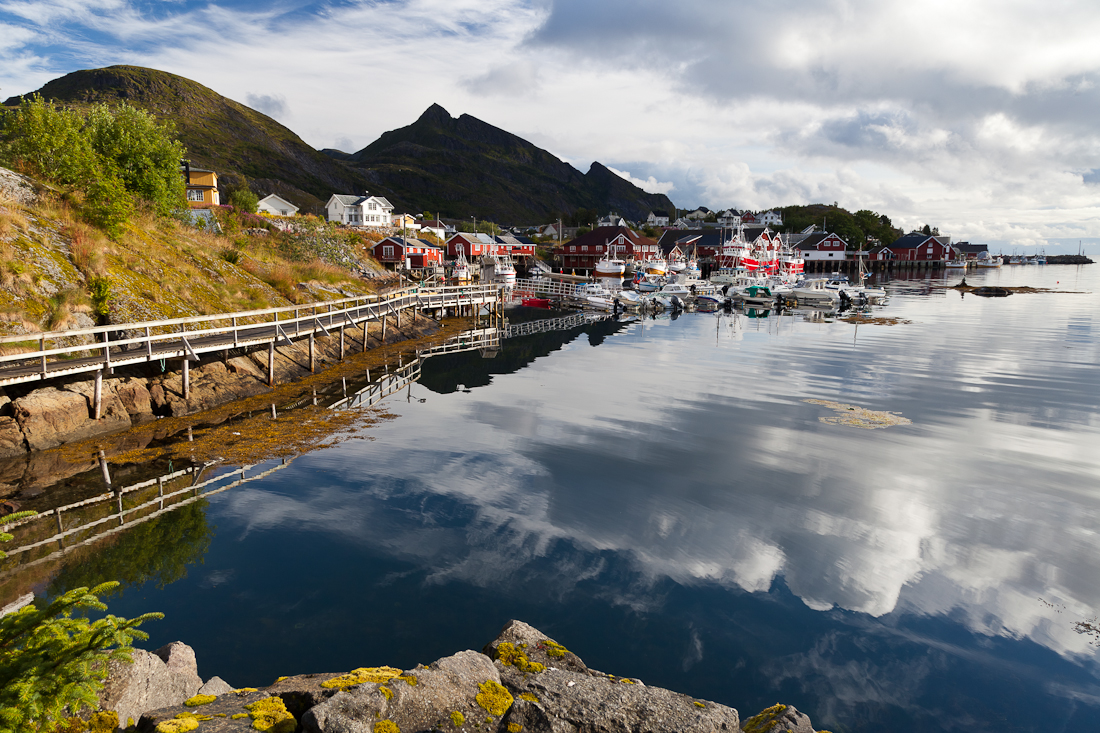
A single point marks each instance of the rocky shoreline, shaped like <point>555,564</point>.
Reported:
<point>520,681</point>
<point>35,420</point>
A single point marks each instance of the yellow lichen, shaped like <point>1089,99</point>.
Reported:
<point>554,649</point>
<point>698,704</point>
<point>200,718</point>
<point>514,728</point>
<point>509,655</point>
<point>457,718</point>
<point>494,698</point>
<point>180,725</point>
<point>270,714</point>
<point>219,715</point>
<point>281,679</point>
<point>625,681</point>
<point>243,690</point>
<point>238,716</point>
<point>529,697</point>
<point>361,675</point>
<point>195,701</point>
<point>386,726</point>
<point>410,679</point>
<point>387,692</point>
<point>763,720</point>
<point>104,722</point>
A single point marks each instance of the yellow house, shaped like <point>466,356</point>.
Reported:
<point>202,186</point>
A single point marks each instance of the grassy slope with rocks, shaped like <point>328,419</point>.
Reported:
<point>236,141</point>
<point>162,268</point>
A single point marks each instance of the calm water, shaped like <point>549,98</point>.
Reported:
<point>659,497</point>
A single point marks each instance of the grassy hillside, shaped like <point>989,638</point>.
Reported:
<point>236,141</point>
<point>464,167</point>
<point>161,268</point>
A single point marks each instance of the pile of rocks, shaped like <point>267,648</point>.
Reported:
<point>521,681</point>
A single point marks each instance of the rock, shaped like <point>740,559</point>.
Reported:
<point>227,712</point>
<point>135,399</point>
<point>215,686</point>
<point>180,659</point>
<point>461,689</point>
<point>50,417</point>
<point>525,644</point>
<point>149,682</point>
<point>112,413</point>
<point>779,719</point>
<point>556,700</point>
<point>5,403</point>
<point>12,442</point>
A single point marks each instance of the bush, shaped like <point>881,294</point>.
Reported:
<point>244,200</point>
<point>100,288</point>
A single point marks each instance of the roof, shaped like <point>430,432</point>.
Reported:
<point>812,240</point>
<point>408,242</point>
<point>272,197</point>
<point>969,248</point>
<point>915,239</point>
<point>347,199</point>
<point>658,212</point>
<point>602,235</point>
<point>689,238</point>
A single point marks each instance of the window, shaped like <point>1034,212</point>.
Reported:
<point>387,250</point>
<point>584,248</point>
<point>194,195</point>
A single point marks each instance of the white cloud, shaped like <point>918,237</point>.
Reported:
<point>650,185</point>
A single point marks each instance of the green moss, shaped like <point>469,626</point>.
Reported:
<point>361,675</point>
<point>386,726</point>
<point>553,648</point>
<point>493,697</point>
<point>529,697</point>
<point>698,704</point>
<point>457,719</point>
<point>270,714</point>
<point>194,702</point>
<point>762,721</point>
<point>181,725</point>
<point>509,656</point>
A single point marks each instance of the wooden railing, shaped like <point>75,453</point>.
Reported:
<point>104,348</point>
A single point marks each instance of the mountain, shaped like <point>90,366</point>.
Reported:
<point>454,167</point>
<point>465,167</point>
<point>236,141</point>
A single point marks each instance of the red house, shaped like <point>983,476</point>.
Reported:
<point>472,245</point>
<point>588,249</point>
<point>915,247</point>
<point>399,252</point>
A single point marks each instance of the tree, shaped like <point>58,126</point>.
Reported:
<point>47,142</point>
<point>243,199</point>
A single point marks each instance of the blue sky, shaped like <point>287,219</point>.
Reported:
<point>976,117</point>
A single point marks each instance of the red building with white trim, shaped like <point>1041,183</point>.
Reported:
<point>588,249</point>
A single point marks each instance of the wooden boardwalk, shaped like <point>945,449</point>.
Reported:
<point>105,348</point>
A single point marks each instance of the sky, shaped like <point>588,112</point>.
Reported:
<point>977,117</point>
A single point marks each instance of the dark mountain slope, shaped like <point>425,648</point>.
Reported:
<point>465,167</point>
<point>220,134</point>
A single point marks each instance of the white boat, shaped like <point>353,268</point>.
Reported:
<point>648,283</point>
<point>757,295</point>
<point>460,273</point>
<point>984,260</point>
<point>655,266</point>
<point>955,264</point>
<point>678,289</point>
<point>813,292</point>
<point>498,269</point>
<point>610,267</point>
<point>594,295</point>
<point>716,299</point>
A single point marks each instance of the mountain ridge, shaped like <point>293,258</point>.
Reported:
<point>454,167</point>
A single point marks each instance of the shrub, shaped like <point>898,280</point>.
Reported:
<point>244,200</point>
<point>231,255</point>
<point>100,288</point>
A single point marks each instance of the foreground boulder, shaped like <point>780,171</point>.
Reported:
<point>523,681</point>
<point>153,680</point>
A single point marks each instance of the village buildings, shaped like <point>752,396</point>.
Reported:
<point>201,185</point>
<point>588,249</point>
<point>276,206</point>
<point>359,211</point>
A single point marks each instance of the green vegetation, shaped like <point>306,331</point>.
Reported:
<point>53,664</point>
<point>860,230</point>
<point>242,199</point>
<point>116,158</point>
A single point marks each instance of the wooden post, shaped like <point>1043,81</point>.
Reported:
<point>274,415</point>
<point>98,394</point>
<point>160,490</point>
<point>311,352</point>
<point>383,329</point>
<point>103,468</point>
<point>271,364</point>
<point>341,342</point>
<point>186,378</point>
<point>365,324</point>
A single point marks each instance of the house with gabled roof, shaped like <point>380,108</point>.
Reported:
<point>396,252</point>
<point>359,211</point>
<point>588,249</point>
<point>657,219</point>
<point>729,218</point>
<point>611,220</point>
<point>914,247</point>
<point>823,246</point>
<point>276,205</point>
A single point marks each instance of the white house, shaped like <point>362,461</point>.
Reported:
<point>699,214</point>
<point>657,219</point>
<point>729,218</point>
<point>771,219</point>
<point>611,220</point>
<point>823,246</point>
<point>276,205</point>
<point>359,211</point>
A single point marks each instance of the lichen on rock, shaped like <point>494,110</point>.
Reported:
<point>270,714</point>
<point>494,697</point>
<point>196,700</point>
<point>362,675</point>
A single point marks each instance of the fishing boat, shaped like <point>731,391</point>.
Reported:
<point>648,283</point>
<point>654,266</point>
<point>813,292</point>
<point>610,266</point>
<point>460,273</point>
<point>955,264</point>
<point>498,268</point>
<point>757,295</point>
<point>984,260</point>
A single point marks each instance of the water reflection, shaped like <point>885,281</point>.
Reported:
<point>669,505</point>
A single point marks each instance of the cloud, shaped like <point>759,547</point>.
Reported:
<point>649,185</point>
<point>272,105</point>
